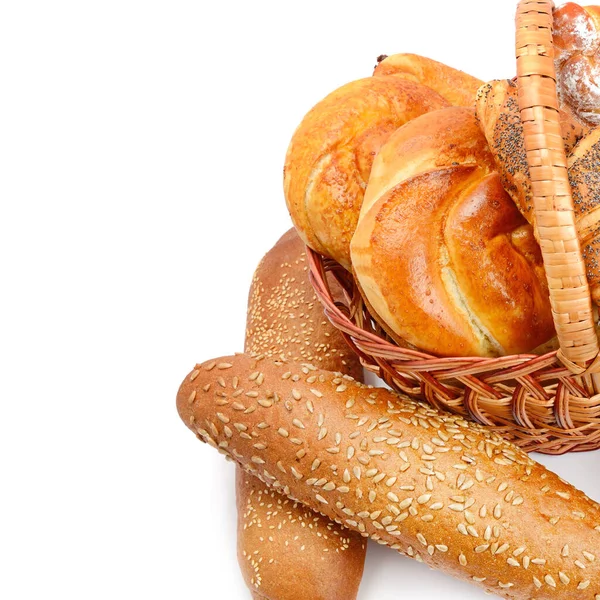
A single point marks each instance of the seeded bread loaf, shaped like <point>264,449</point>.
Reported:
<point>287,551</point>
<point>499,117</point>
<point>431,485</point>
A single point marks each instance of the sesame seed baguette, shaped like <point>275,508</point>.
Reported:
<point>286,551</point>
<point>431,485</point>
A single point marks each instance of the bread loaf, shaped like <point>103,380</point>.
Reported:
<point>433,486</point>
<point>457,87</point>
<point>500,120</point>
<point>497,110</point>
<point>286,551</point>
<point>577,58</point>
<point>329,158</point>
<point>441,253</point>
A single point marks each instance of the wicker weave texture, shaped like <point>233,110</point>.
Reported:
<point>547,403</point>
<point>533,400</point>
<point>553,203</point>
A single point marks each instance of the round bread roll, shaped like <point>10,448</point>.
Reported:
<point>457,87</point>
<point>577,57</point>
<point>441,253</point>
<point>431,485</point>
<point>329,158</point>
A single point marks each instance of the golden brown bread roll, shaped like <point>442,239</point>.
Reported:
<point>499,117</point>
<point>285,550</point>
<point>431,485</point>
<point>457,87</point>
<point>329,158</point>
<point>577,58</point>
<point>441,253</point>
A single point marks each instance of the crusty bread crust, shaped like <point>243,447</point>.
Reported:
<point>433,486</point>
<point>441,252</point>
<point>329,158</point>
<point>286,551</point>
<point>458,87</point>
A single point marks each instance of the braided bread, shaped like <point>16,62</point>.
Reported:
<point>441,254</point>
<point>329,158</point>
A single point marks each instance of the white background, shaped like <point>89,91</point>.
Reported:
<point>142,146</point>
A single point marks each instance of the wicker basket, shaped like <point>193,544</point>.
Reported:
<point>546,403</point>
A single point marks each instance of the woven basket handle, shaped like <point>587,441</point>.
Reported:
<point>553,203</point>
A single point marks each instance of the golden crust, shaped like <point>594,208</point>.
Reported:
<point>442,254</point>
<point>285,550</point>
<point>499,118</point>
<point>458,87</point>
<point>431,485</point>
<point>329,158</point>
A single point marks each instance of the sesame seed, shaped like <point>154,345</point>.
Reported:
<point>563,578</point>
<point>583,585</point>
<point>502,549</point>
